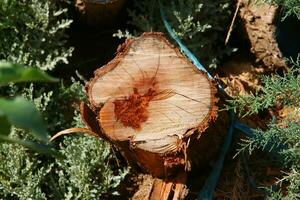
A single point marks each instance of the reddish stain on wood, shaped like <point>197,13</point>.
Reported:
<point>132,111</point>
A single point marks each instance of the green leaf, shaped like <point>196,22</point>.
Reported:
<point>10,72</point>
<point>4,125</point>
<point>40,148</point>
<point>23,113</point>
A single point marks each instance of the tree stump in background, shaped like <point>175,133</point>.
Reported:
<point>98,13</point>
<point>152,103</point>
<point>260,26</point>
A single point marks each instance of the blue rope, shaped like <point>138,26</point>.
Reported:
<point>211,182</point>
<point>183,48</point>
<point>244,128</point>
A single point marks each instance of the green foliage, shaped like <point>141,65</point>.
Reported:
<point>85,170</point>
<point>276,90</point>
<point>20,112</point>
<point>32,33</point>
<point>282,139</point>
<point>283,142</point>
<point>5,125</point>
<point>59,112</point>
<point>291,7</point>
<point>10,72</point>
<point>201,24</point>
<point>24,114</point>
<point>21,173</point>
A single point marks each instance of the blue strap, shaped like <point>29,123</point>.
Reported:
<point>211,182</point>
<point>244,128</point>
<point>183,48</point>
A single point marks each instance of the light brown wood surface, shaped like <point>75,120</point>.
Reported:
<point>158,110</point>
<point>182,99</point>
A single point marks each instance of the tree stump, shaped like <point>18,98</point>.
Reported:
<point>154,105</point>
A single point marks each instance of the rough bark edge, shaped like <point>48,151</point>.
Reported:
<point>261,29</point>
<point>89,118</point>
<point>122,52</point>
<point>132,154</point>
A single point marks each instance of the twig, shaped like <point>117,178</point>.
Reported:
<point>232,22</point>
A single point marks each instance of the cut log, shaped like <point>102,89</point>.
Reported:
<point>157,108</point>
<point>149,101</point>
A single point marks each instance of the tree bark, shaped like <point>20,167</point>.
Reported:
<point>154,105</point>
<point>149,101</point>
<point>260,27</point>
